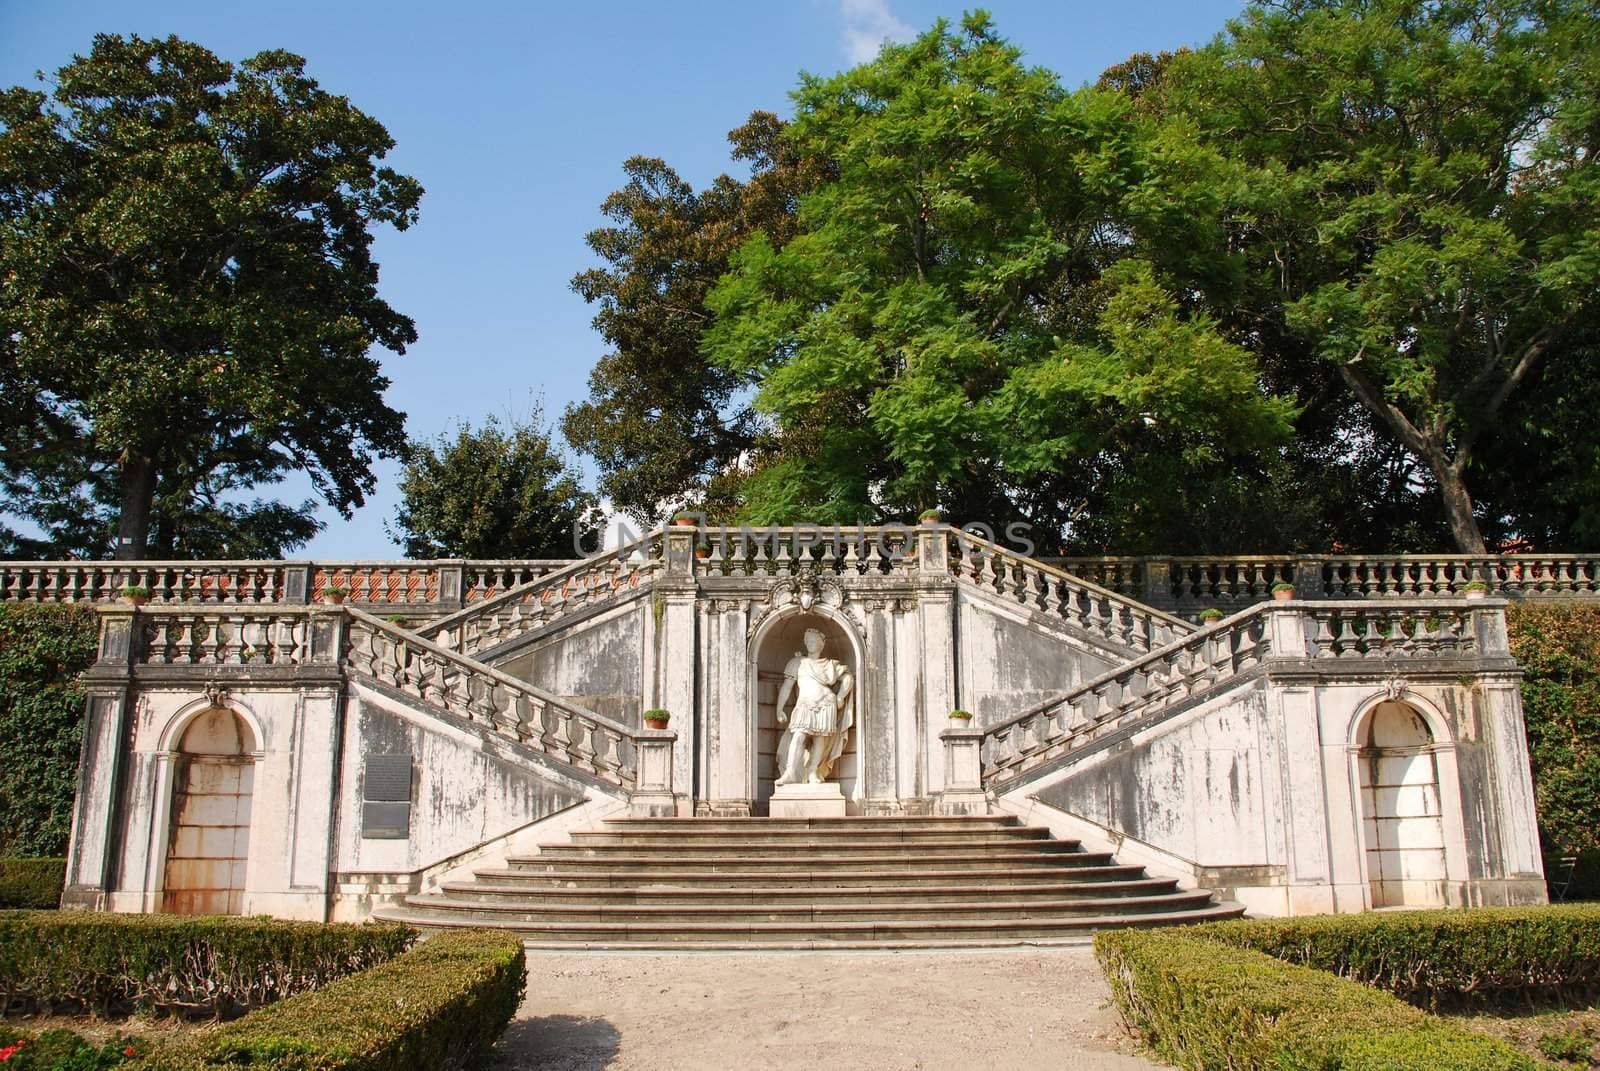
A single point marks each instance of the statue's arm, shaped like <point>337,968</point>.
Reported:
<point>846,682</point>
<point>783,697</point>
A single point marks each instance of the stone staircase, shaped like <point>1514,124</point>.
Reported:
<point>764,883</point>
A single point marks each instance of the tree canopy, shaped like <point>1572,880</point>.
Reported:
<point>189,294</point>
<point>499,491</point>
<point>1417,205</point>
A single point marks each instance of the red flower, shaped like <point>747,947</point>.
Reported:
<point>129,1051</point>
<point>9,1051</point>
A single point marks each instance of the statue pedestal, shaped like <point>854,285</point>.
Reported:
<point>808,801</point>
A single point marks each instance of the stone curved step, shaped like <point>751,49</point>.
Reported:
<point>662,840</point>
<point>644,877</point>
<point>931,821</point>
<point>742,934</point>
<point>820,846</point>
<point>953,858</point>
<point>822,894</point>
<point>886,911</point>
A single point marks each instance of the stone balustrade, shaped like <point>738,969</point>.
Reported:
<point>1081,604</point>
<point>548,598</point>
<point>1193,583</point>
<point>782,551</point>
<point>434,676</point>
<point>424,586</point>
<point>1357,634</point>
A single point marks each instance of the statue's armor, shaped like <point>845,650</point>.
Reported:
<point>816,707</point>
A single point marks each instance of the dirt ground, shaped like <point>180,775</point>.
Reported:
<point>888,1012</point>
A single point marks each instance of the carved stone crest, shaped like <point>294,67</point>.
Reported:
<point>807,589</point>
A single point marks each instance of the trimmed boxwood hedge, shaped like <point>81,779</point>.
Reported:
<point>31,882</point>
<point>1203,1004</point>
<point>441,1005</point>
<point>109,963</point>
<point>1450,959</point>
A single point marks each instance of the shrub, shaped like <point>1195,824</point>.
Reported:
<point>441,1005</point>
<point>105,962</point>
<point>32,882</point>
<point>1558,647</point>
<point>43,648</point>
<point>62,1050</point>
<point>1441,958</point>
<point>1203,1004</point>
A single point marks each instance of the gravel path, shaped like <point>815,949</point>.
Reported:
<point>888,1012</point>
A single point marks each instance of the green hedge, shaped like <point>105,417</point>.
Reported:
<point>441,1005</point>
<point>168,963</point>
<point>32,882</point>
<point>1441,958</point>
<point>1202,1005</point>
<point>43,649</point>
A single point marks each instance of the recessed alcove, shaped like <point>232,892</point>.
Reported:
<point>779,642</point>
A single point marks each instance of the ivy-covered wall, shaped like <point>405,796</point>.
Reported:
<point>1558,646</point>
<point>43,648</point>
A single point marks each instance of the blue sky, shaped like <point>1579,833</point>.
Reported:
<point>516,118</point>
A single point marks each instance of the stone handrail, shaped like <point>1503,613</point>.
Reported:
<point>544,600</point>
<point>277,636</point>
<point>1083,605</point>
<point>1192,583</point>
<point>446,680</point>
<point>1115,699</point>
<point>781,550</point>
<point>1203,661</point>
<point>427,585</point>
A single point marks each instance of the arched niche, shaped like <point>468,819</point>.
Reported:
<point>213,787</point>
<point>778,639</point>
<point>1402,812</point>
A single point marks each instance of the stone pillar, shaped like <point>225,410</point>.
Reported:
<point>652,795</point>
<point>1286,631</point>
<point>96,833</point>
<point>1307,579</point>
<point>452,590</point>
<point>963,768</point>
<point>940,672</point>
<point>677,647</point>
<point>297,584</point>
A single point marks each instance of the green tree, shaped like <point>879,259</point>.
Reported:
<point>960,319</point>
<point>1418,208</point>
<point>662,422</point>
<point>493,492</point>
<point>185,249</point>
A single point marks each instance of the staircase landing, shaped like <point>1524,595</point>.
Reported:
<point>751,884</point>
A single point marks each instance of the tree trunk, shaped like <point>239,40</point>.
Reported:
<point>1458,510</point>
<point>138,492</point>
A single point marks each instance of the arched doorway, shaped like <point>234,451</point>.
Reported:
<point>778,644</point>
<point>209,844</point>
<point>1401,815</point>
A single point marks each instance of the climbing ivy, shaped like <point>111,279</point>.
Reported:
<point>43,649</point>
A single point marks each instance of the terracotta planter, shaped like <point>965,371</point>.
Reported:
<point>336,600</point>
<point>1283,594</point>
<point>683,522</point>
<point>1475,594</point>
<point>655,723</point>
<point>137,600</point>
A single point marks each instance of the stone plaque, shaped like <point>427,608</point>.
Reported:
<point>386,798</point>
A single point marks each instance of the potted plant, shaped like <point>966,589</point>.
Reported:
<point>1476,590</point>
<point>136,594</point>
<point>929,516</point>
<point>335,594</point>
<point>685,520</point>
<point>962,718</point>
<point>1283,591</point>
<point>1211,615</point>
<point>657,718</point>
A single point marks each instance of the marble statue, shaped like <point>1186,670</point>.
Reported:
<point>822,715</point>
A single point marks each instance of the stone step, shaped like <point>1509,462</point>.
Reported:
<point>797,847</point>
<point>953,857</point>
<point>655,877</point>
<point>853,822</point>
<point>808,837</point>
<point>887,910</point>
<point>738,935</point>
<point>821,895</point>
